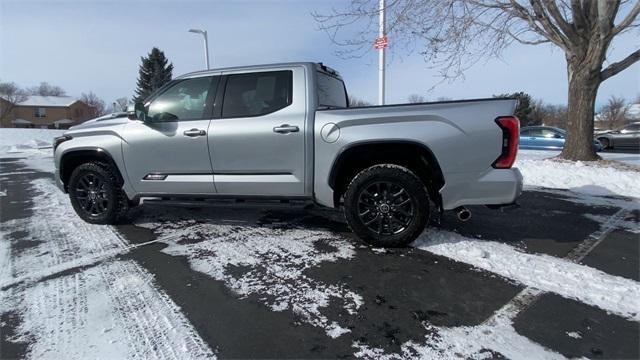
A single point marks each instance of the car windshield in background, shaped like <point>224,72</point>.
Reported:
<point>331,91</point>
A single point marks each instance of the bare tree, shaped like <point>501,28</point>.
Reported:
<point>46,89</point>
<point>455,34</point>
<point>537,114</point>
<point>11,95</point>
<point>96,104</point>
<point>554,115</point>
<point>357,102</point>
<point>121,104</point>
<point>415,98</point>
<point>614,113</point>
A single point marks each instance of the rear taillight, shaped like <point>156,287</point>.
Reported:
<point>510,126</point>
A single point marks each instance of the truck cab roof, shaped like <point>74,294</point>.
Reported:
<point>318,66</point>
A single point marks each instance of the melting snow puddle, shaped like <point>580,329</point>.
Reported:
<point>267,262</point>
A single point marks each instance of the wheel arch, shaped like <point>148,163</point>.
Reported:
<point>70,160</point>
<point>361,155</point>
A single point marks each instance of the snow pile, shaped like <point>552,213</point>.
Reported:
<point>570,280</point>
<point>581,177</point>
<point>265,261</point>
<point>25,140</point>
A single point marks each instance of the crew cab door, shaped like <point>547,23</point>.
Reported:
<point>257,140</point>
<point>168,152</point>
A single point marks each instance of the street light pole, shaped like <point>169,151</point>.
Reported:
<point>381,56</point>
<point>206,43</point>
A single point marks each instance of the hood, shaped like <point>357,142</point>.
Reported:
<point>102,121</point>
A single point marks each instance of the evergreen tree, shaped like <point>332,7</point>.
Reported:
<point>154,72</point>
<point>524,106</point>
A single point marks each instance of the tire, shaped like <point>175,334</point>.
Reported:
<point>387,205</point>
<point>95,194</point>
<point>133,203</point>
<point>605,143</point>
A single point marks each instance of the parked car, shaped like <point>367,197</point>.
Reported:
<point>546,138</point>
<point>626,138</point>
<point>285,131</point>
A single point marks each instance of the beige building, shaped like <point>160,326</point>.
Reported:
<point>46,112</point>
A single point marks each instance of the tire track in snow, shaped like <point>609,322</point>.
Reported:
<point>58,239</point>
<point>64,316</point>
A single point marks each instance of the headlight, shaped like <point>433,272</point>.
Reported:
<point>59,140</point>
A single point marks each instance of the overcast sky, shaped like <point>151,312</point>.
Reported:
<point>96,46</point>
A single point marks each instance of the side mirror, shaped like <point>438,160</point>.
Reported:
<point>137,111</point>
<point>558,136</point>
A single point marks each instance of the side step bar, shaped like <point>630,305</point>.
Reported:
<point>186,202</point>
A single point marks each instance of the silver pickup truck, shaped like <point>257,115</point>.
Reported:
<point>285,131</point>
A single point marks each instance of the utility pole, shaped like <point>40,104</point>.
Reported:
<point>383,43</point>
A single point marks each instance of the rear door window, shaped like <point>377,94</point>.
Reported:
<point>257,94</point>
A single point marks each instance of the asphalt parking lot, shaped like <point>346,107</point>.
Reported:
<point>291,282</point>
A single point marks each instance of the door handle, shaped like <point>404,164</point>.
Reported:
<point>285,129</point>
<point>194,132</point>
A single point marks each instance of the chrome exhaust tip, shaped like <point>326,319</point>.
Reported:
<point>463,213</point>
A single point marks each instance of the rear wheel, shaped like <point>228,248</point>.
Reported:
<point>387,205</point>
<point>95,194</point>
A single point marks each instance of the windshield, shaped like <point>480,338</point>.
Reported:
<point>331,91</point>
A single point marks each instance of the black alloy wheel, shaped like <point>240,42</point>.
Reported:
<point>387,205</point>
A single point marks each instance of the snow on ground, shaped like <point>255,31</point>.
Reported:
<point>628,224</point>
<point>468,342</point>
<point>34,145</point>
<point>25,140</point>
<point>574,281</point>
<point>273,261</point>
<point>110,308</point>
<point>538,170</point>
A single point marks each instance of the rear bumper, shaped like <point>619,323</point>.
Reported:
<point>496,187</point>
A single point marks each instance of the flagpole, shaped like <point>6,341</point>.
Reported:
<point>381,57</point>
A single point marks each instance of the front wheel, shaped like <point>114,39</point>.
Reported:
<point>95,194</point>
<point>387,205</point>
